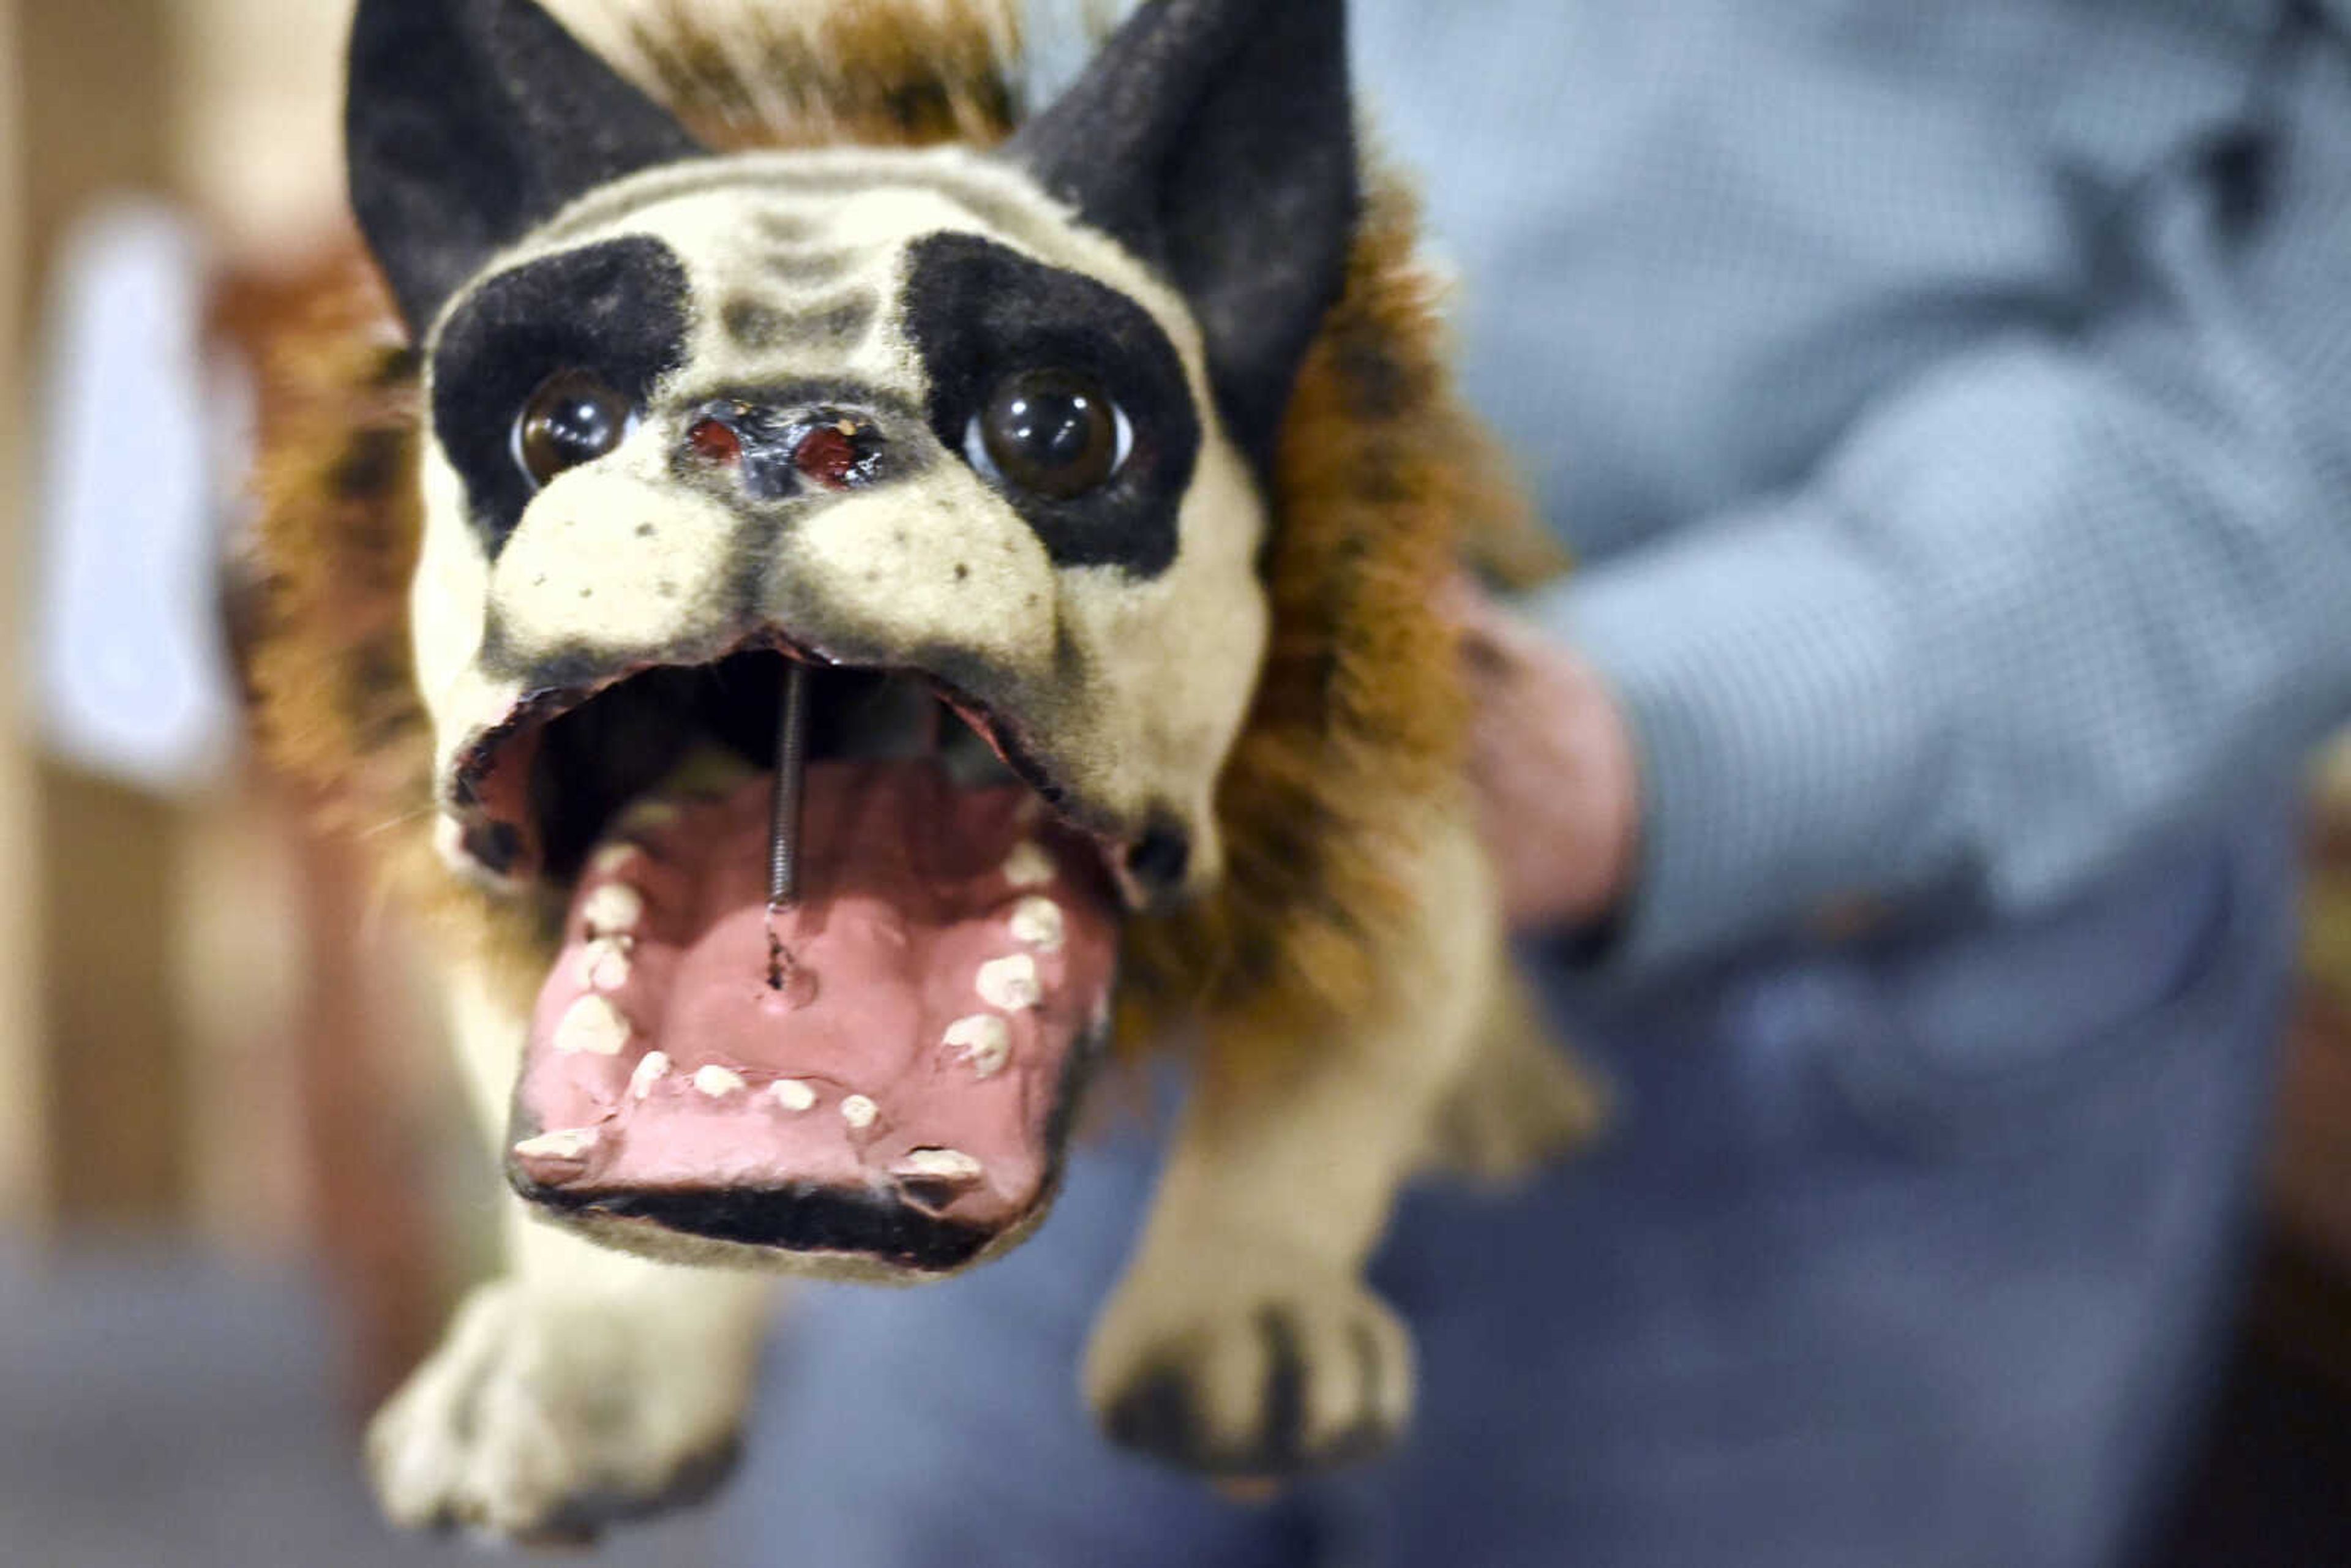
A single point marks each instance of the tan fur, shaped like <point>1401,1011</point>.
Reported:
<point>330,667</point>
<point>903,73</point>
<point>1359,728</point>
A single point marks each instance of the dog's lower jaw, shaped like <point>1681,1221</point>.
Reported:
<point>1243,1342</point>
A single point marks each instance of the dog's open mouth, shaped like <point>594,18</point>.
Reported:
<point>878,1068</point>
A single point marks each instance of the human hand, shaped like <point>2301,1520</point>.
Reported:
<point>1553,760</point>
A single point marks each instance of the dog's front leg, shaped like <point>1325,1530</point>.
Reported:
<point>582,1387</point>
<point>1244,1342</point>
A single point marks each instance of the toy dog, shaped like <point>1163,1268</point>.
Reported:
<point>875,596</point>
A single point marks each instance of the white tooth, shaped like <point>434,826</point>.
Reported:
<point>940,1164</point>
<point>1037,922</point>
<point>613,858</point>
<point>794,1095</point>
<point>650,1072</point>
<point>604,963</point>
<point>1010,984</point>
<point>859,1111</point>
<point>564,1146</point>
<point>649,814</point>
<point>613,910</point>
<point>719,1082</point>
<point>983,1040</point>
<point>1029,866</point>
<point>594,1027</point>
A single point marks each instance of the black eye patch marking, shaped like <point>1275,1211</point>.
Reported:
<point>619,309</point>
<point>979,312</point>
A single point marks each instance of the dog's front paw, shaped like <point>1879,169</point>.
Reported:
<point>541,1424</point>
<point>1243,1383</point>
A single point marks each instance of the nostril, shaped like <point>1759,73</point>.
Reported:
<point>830,455</point>
<point>776,453</point>
<point>715,441</point>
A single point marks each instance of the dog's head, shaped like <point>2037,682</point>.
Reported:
<point>975,437</point>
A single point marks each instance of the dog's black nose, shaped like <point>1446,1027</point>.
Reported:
<point>777,453</point>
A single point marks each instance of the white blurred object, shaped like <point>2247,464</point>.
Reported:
<point>132,678</point>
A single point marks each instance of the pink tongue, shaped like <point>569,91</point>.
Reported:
<point>946,956</point>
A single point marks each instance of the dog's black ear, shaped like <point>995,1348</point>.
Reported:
<point>1215,139</point>
<point>471,121</point>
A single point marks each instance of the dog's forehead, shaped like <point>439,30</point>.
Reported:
<point>797,260</point>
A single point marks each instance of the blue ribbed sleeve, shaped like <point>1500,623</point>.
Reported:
<point>2061,592</point>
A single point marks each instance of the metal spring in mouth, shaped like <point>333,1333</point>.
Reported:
<point>783,813</point>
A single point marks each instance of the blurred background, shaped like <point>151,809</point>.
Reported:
<point>236,1194</point>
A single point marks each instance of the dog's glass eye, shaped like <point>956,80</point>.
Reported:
<point>1051,432</point>
<point>574,418</point>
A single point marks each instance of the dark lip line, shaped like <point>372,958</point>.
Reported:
<point>960,1245</point>
<point>539,708</point>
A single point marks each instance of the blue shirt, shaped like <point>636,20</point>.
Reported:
<point>1952,402</point>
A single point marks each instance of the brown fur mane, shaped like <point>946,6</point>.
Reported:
<point>1384,487</point>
